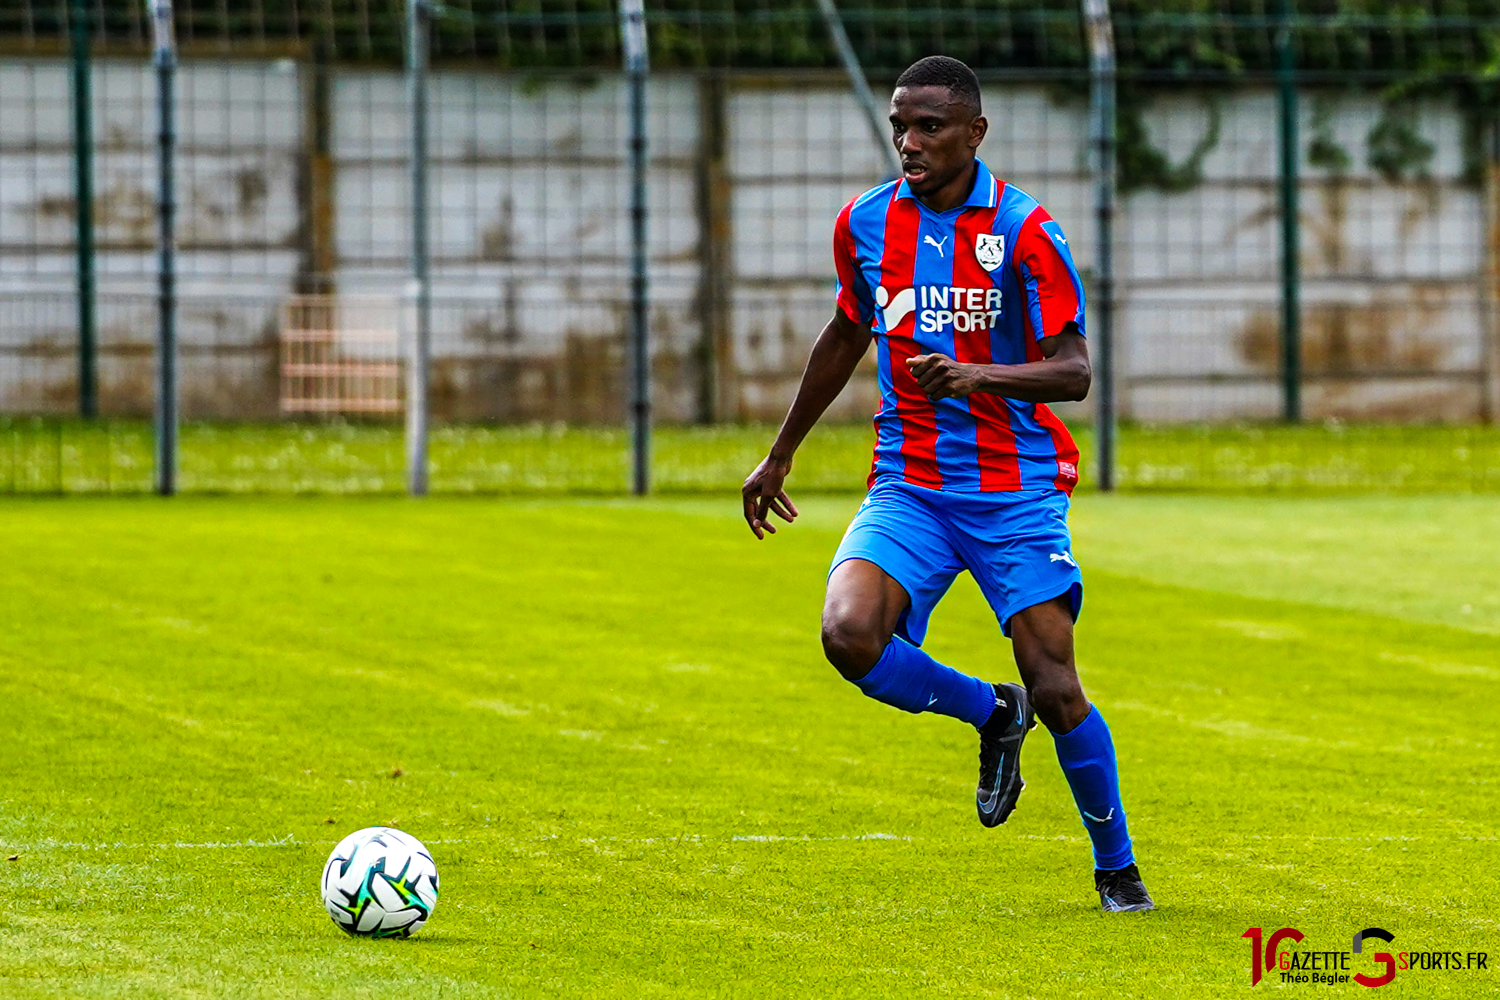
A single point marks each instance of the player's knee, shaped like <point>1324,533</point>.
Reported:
<point>852,647</point>
<point>1059,702</point>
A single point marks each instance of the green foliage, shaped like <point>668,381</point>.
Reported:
<point>1142,165</point>
<point>1323,151</point>
<point>1395,149</point>
<point>1421,40</point>
<point>1448,49</point>
<point>638,778</point>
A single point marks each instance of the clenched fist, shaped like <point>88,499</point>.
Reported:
<point>941,377</point>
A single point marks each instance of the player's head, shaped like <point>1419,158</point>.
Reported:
<point>936,123</point>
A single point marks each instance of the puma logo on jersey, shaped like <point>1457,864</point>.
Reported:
<point>1063,557</point>
<point>936,243</point>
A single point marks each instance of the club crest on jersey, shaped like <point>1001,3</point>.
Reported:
<point>989,250</point>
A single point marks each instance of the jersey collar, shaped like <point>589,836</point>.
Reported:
<point>982,195</point>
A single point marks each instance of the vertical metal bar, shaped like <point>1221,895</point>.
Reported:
<point>315,174</point>
<point>166,302</point>
<point>633,34</point>
<point>1102,138</point>
<point>1291,312</point>
<point>1489,298</point>
<point>417,25</point>
<point>715,256</point>
<point>83,200</point>
<point>874,117</point>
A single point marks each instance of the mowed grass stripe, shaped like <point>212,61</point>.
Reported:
<point>1428,559</point>
<point>616,731</point>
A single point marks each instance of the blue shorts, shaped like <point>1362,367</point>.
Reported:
<point>1015,543</point>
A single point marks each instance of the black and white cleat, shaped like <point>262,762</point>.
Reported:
<point>1122,891</point>
<point>1000,741</point>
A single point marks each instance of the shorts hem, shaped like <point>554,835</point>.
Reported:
<point>1041,596</point>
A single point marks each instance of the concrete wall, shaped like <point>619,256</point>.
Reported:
<point>240,217</point>
<point>530,241</point>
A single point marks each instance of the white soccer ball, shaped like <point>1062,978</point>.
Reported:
<point>380,882</point>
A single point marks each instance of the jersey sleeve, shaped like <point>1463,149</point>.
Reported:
<point>854,298</point>
<point>1050,281</point>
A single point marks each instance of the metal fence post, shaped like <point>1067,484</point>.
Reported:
<point>83,200</point>
<point>1489,299</point>
<point>633,34</point>
<point>715,250</point>
<point>417,26</point>
<point>315,175</point>
<point>166,338</point>
<point>1102,136</point>
<point>1291,313</point>
<point>879,129</point>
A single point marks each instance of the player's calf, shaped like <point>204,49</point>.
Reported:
<point>1042,638</point>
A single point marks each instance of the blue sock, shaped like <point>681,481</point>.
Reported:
<point>1087,756</point>
<point>909,679</point>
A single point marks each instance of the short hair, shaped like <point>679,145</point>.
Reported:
<point>944,71</point>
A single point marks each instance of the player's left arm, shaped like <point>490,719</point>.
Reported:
<point>1062,373</point>
<point>1053,304</point>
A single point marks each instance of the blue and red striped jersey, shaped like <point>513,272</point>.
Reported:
<point>982,283</point>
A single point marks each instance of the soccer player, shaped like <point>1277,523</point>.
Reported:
<point>969,291</point>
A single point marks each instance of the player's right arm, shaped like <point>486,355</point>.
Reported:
<point>834,356</point>
<point>835,353</point>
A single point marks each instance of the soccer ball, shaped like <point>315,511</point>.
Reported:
<point>380,883</point>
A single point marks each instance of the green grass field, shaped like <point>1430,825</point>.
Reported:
<point>40,456</point>
<point>611,723</point>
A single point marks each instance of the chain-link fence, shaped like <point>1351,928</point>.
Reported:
<point>293,175</point>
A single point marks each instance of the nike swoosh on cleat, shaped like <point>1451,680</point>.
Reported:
<point>989,804</point>
<point>1096,819</point>
<point>931,701</point>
